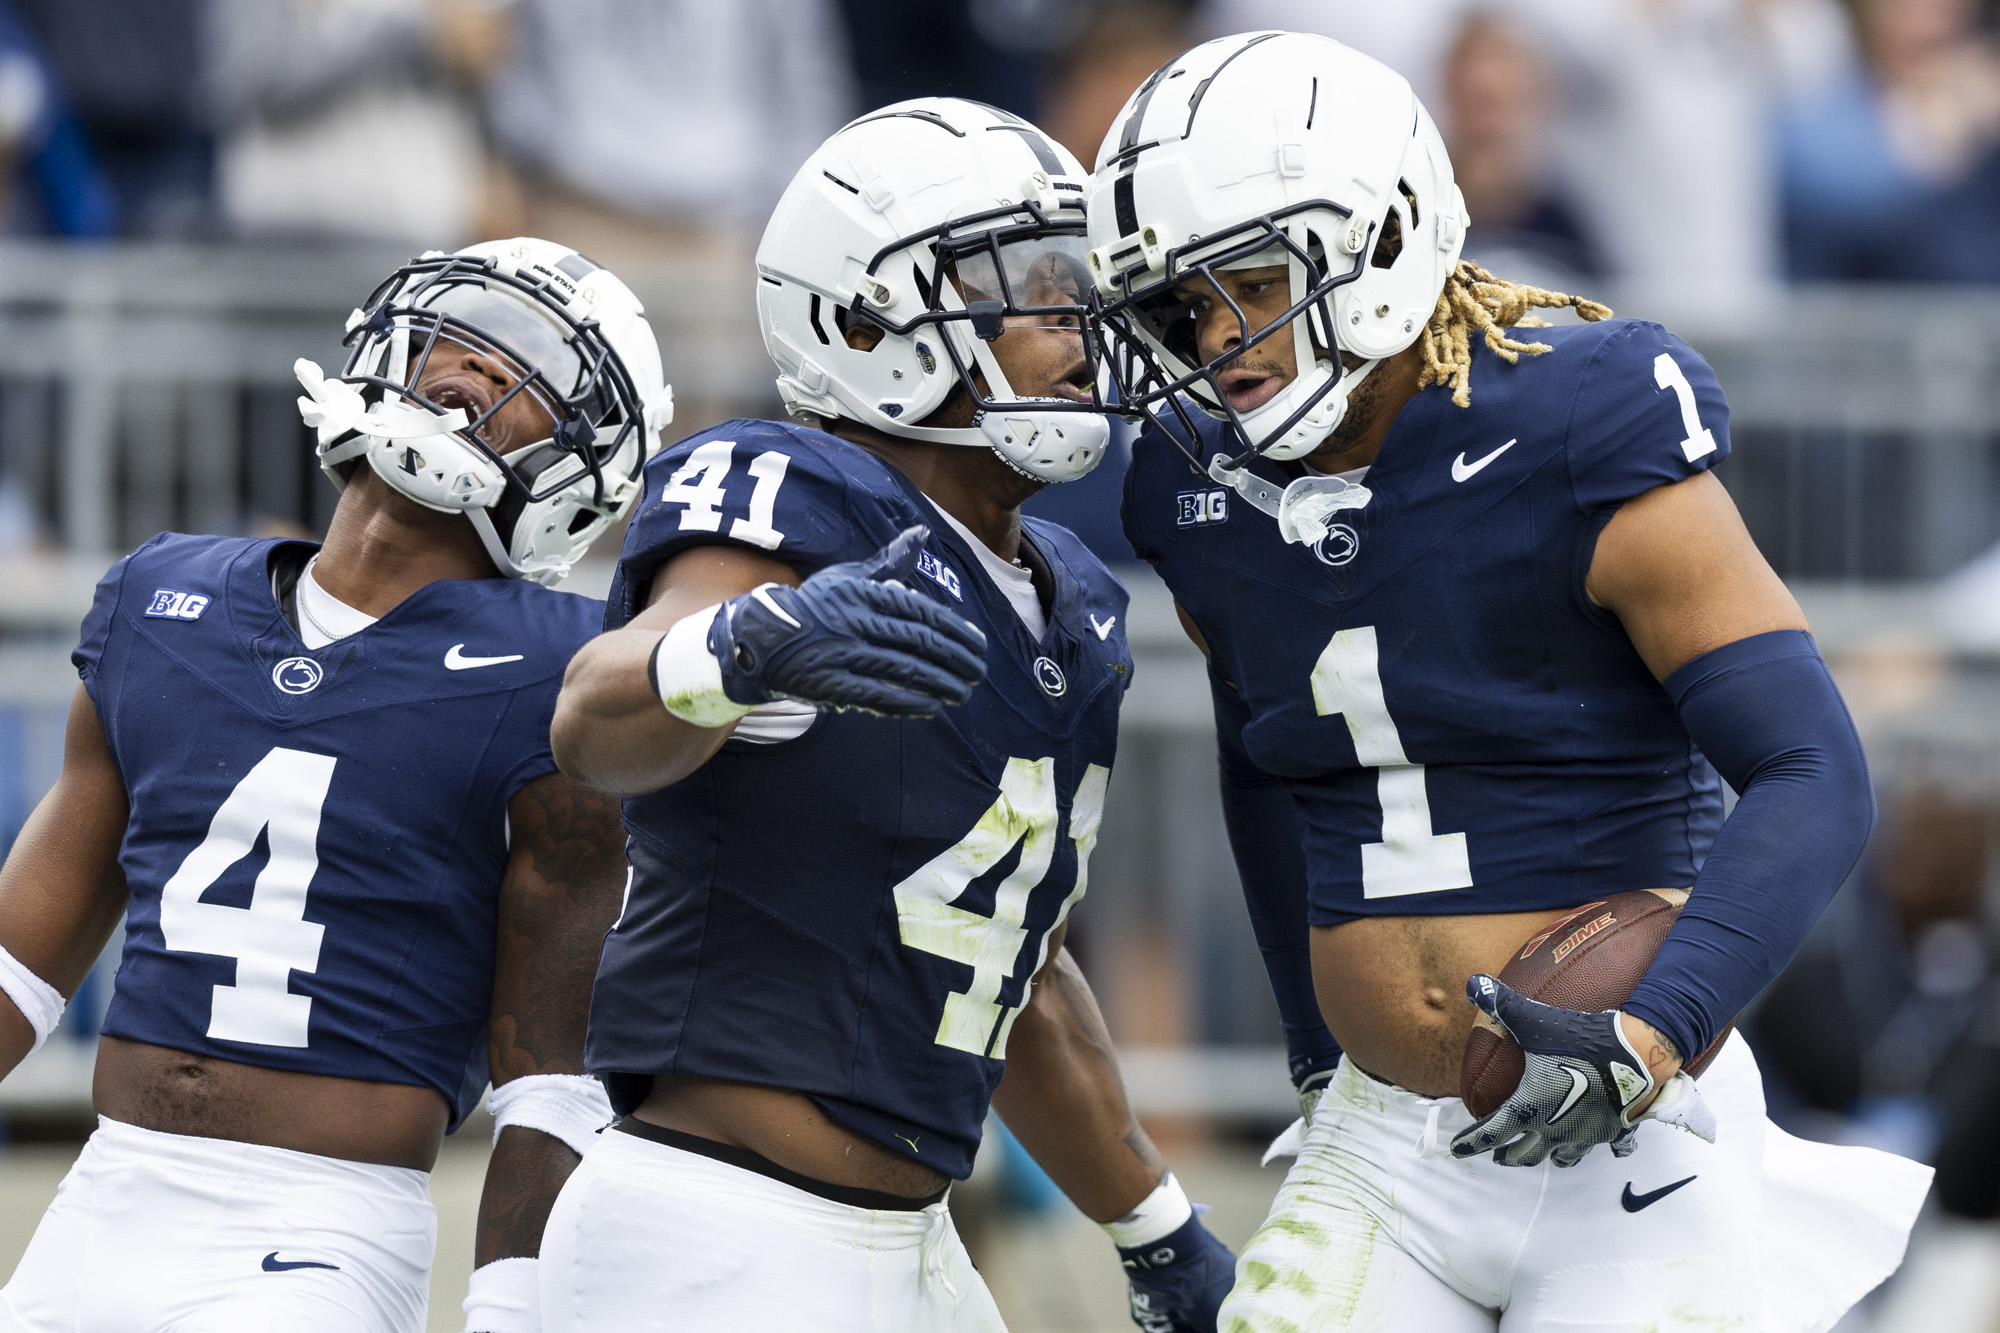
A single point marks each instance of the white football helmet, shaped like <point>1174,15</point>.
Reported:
<point>943,223</point>
<point>1262,149</point>
<point>567,331</point>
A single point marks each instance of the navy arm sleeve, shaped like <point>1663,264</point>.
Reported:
<point>1766,713</point>
<point>1268,842</point>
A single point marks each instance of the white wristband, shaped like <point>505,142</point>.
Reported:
<point>1159,1215</point>
<point>569,1107</point>
<point>505,1297</point>
<point>688,677</point>
<point>39,1002</point>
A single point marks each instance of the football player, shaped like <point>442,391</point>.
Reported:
<point>315,783</point>
<point>1483,631</point>
<point>864,713</point>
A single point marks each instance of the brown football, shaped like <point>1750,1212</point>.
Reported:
<point>1591,958</point>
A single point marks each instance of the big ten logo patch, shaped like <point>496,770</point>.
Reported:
<point>938,572</point>
<point>170,605</point>
<point>1200,507</point>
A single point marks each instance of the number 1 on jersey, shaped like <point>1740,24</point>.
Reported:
<point>270,939</point>
<point>1410,858</point>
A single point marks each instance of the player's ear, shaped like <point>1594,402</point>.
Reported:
<point>861,335</point>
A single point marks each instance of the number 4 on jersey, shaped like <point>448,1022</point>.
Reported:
<point>1023,815</point>
<point>270,939</point>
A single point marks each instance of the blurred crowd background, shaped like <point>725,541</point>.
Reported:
<point>194,192</point>
<point>1722,145</point>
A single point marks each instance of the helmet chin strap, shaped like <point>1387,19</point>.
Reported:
<point>1304,510</point>
<point>1316,425</point>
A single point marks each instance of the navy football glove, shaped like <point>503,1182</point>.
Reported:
<point>1178,1281</point>
<point>1582,1081</point>
<point>852,636</point>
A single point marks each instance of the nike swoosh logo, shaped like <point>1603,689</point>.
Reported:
<point>1578,1085</point>
<point>272,1264</point>
<point>1464,471</point>
<point>457,661</point>
<point>1104,630</point>
<point>1634,1202</point>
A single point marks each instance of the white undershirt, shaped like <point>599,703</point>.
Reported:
<point>1352,476</point>
<point>322,616</point>
<point>1016,584</point>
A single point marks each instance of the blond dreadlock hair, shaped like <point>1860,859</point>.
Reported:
<point>1475,299</point>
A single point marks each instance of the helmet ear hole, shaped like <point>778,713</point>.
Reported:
<point>862,333</point>
<point>1389,245</point>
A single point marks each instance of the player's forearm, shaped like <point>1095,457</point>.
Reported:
<point>1064,1100</point>
<point>523,1177</point>
<point>612,732</point>
<point>1766,713</point>
<point>61,890</point>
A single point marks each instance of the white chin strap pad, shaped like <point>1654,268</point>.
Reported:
<point>1048,446</point>
<point>1311,430</point>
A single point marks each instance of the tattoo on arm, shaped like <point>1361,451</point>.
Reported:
<point>523,1177</point>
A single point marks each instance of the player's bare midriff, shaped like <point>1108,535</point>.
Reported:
<point>1392,988</point>
<point>174,1092</point>
<point>786,1128</point>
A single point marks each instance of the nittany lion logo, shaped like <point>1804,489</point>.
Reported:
<point>297,675</point>
<point>1340,545</point>
<point>1050,677</point>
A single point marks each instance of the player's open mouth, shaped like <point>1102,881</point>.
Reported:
<point>1248,390</point>
<point>1073,387</point>
<point>462,392</point>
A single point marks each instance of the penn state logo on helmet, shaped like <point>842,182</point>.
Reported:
<point>557,331</point>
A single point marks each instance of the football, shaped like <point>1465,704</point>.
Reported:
<point>1589,959</point>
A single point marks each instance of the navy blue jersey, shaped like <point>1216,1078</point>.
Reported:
<point>317,837</point>
<point>1463,732</point>
<point>855,914</point>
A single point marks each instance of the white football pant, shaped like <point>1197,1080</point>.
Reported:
<point>1377,1227</point>
<point>646,1238</point>
<point>162,1233</point>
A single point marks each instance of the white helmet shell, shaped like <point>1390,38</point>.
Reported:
<point>1275,147</point>
<point>867,230</point>
<point>570,332</point>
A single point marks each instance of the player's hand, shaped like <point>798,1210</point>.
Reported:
<point>1584,1085</point>
<point>852,636</point>
<point>1178,1282</point>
